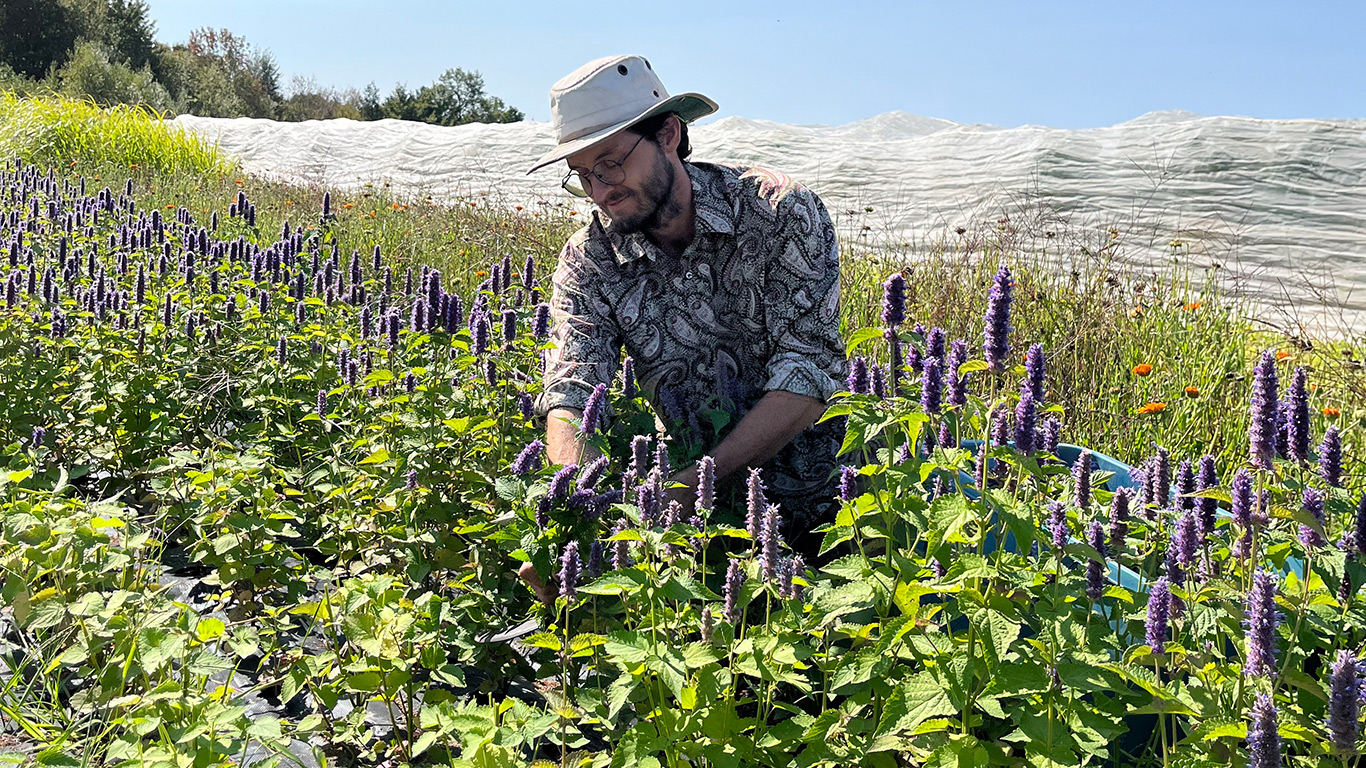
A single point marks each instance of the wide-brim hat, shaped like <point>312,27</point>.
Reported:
<point>604,97</point>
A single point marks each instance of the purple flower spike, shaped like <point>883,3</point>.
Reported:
<point>1260,623</point>
<point>1313,504</point>
<point>509,326</point>
<point>592,473</point>
<point>1330,457</point>
<point>559,484</point>
<point>1050,433</point>
<point>757,504</point>
<point>770,543</point>
<point>529,460</point>
<point>1162,478</point>
<point>735,581</point>
<point>958,382</point>
<point>879,378</point>
<point>1360,527</point>
<point>706,483</point>
<point>1057,525</point>
<point>894,300</point>
<point>936,342</point>
<point>1263,736</point>
<point>1034,371</point>
<point>540,321</point>
<point>1119,520</point>
<point>1024,422</point>
<point>569,571</point>
<point>628,378</point>
<point>848,483</point>
<point>1344,708</point>
<point>1240,509</point>
<point>858,381</point>
<point>1000,428</point>
<point>1298,422</point>
<point>593,410</point>
<point>1095,582</point>
<point>1208,478</point>
<point>621,550</point>
<point>322,404</point>
<point>996,336</point>
<point>38,437</point>
<point>1185,483</point>
<point>640,456</point>
<point>1181,550</point>
<point>932,386</point>
<point>1159,612</point>
<point>707,625</point>
<point>1265,403</point>
<point>1081,481</point>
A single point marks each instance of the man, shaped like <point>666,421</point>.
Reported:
<point>720,283</point>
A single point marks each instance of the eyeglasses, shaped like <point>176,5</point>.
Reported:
<point>608,172</point>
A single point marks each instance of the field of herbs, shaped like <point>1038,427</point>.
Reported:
<point>269,476</point>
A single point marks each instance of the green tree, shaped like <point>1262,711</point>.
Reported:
<point>36,36</point>
<point>458,97</point>
<point>91,73</point>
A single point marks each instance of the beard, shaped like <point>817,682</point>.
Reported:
<point>656,197</point>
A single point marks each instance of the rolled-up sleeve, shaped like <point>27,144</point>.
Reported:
<point>585,337</point>
<point>802,290</point>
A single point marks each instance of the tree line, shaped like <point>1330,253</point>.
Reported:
<point>106,50</point>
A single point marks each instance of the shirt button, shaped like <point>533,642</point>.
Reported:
<point>688,275</point>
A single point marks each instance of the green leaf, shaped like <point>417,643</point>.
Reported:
<point>209,629</point>
<point>547,640</point>
<point>915,700</point>
<point>615,583</point>
<point>972,366</point>
<point>378,457</point>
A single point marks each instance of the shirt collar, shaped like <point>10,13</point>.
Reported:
<point>714,214</point>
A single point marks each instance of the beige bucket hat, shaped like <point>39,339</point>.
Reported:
<point>603,97</point>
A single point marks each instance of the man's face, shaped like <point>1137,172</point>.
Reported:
<point>636,203</point>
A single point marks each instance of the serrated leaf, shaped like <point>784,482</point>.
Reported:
<point>915,700</point>
<point>547,640</point>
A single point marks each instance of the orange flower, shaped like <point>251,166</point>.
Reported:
<point>395,206</point>
<point>132,165</point>
<point>1281,354</point>
<point>573,213</point>
<point>481,273</point>
<point>1142,369</point>
<point>1331,412</point>
<point>1136,311</point>
<point>237,181</point>
<point>349,205</point>
<point>518,207</point>
<point>372,214</point>
<point>289,202</point>
<point>1192,391</point>
<point>170,207</point>
<point>472,203</point>
<point>1193,307</point>
<point>1152,408</point>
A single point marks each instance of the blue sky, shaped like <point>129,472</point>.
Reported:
<point>1063,64</point>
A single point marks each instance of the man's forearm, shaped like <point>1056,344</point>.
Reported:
<point>563,443</point>
<point>772,423</point>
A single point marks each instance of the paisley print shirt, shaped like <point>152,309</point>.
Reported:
<point>752,305</point>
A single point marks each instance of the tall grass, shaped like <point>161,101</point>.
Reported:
<point>1084,297</point>
<point>59,131</point>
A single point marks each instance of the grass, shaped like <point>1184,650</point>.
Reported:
<point>59,131</point>
<point>1081,295</point>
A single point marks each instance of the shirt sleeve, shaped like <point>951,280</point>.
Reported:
<point>802,289</point>
<point>585,337</point>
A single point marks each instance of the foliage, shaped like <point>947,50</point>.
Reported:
<point>222,379</point>
<point>58,129</point>
<point>90,74</point>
